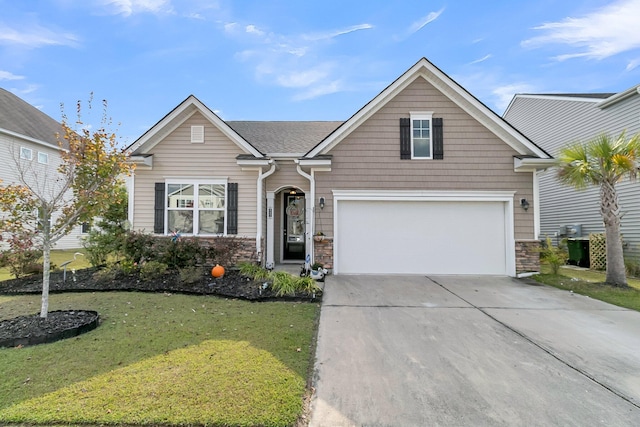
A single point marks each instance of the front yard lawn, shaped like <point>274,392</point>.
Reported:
<point>164,359</point>
<point>590,283</point>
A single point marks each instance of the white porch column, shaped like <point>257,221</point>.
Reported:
<point>536,204</point>
<point>270,261</point>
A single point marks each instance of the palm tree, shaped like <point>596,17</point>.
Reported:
<point>604,161</point>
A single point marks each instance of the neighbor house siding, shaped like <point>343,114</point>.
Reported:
<point>553,123</point>
<point>38,176</point>
<point>474,158</point>
<point>177,157</point>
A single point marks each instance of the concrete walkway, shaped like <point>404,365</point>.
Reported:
<point>472,351</point>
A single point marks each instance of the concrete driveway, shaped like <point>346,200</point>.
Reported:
<point>472,351</point>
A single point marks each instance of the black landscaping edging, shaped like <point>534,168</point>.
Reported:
<point>90,323</point>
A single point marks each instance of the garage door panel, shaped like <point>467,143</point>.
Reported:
<point>421,237</point>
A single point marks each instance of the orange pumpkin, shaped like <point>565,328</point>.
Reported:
<point>217,271</point>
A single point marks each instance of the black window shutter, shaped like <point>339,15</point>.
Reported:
<point>405,138</point>
<point>232,208</point>
<point>438,140</point>
<point>158,217</point>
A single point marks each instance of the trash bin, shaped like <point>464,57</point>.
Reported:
<point>578,252</point>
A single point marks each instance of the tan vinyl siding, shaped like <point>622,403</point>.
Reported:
<point>474,158</point>
<point>177,157</point>
<point>554,123</point>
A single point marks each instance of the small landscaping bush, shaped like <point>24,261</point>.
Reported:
<point>554,256</point>
<point>21,255</point>
<point>153,270</point>
<point>107,274</point>
<point>283,283</point>
<point>253,270</point>
<point>191,274</point>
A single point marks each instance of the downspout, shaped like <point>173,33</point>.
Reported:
<point>309,213</point>
<point>261,178</point>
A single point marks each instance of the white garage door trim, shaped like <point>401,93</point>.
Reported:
<point>505,197</point>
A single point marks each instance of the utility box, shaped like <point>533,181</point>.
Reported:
<point>578,252</point>
<point>574,230</point>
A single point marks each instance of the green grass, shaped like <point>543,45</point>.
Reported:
<point>57,258</point>
<point>590,283</point>
<point>162,359</point>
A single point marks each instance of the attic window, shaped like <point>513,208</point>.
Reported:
<point>197,134</point>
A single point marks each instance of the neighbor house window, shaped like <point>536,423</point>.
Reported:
<point>196,207</point>
<point>421,135</point>
<point>26,153</point>
<point>43,158</point>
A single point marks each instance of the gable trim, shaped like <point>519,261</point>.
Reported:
<point>449,88</point>
<point>177,117</point>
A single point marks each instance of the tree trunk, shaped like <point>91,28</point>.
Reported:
<point>616,273</point>
<point>46,266</point>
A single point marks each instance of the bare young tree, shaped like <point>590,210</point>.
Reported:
<point>49,200</point>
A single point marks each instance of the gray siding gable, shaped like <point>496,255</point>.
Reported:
<point>552,122</point>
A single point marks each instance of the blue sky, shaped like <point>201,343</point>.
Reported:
<point>304,60</point>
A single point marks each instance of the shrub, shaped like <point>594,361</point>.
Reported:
<point>555,256</point>
<point>152,270</point>
<point>184,252</point>
<point>138,247</point>
<point>253,270</point>
<point>632,266</point>
<point>225,250</point>
<point>107,274</point>
<point>190,274</point>
<point>308,285</point>
<point>283,283</point>
<point>21,255</point>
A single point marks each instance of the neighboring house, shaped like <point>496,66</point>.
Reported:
<point>553,121</point>
<point>28,136</point>
<point>424,179</point>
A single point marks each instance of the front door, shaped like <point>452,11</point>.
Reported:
<point>293,227</point>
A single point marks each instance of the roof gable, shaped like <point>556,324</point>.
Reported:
<point>178,116</point>
<point>22,119</point>
<point>448,87</point>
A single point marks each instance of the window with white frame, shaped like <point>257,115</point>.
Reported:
<point>26,153</point>
<point>43,158</point>
<point>421,135</point>
<point>196,208</point>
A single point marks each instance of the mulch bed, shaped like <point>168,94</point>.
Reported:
<point>29,330</point>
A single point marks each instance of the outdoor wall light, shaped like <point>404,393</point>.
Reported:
<point>524,204</point>
<point>321,203</point>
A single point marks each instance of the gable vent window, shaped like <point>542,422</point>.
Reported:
<point>197,134</point>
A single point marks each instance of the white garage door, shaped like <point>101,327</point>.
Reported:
<point>422,237</point>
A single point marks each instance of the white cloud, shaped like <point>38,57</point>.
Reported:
<point>320,90</point>
<point>252,29</point>
<point>130,7</point>
<point>6,75</point>
<point>502,95</point>
<point>484,58</point>
<point>35,36</point>
<point>304,78</point>
<point>603,33</point>
<point>335,33</point>
<point>418,25</point>
<point>633,64</point>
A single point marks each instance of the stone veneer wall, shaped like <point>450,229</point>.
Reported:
<point>527,255</point>
<point>233,249</point>
<point>323,251</point>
